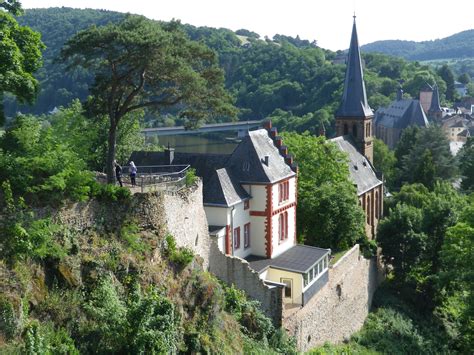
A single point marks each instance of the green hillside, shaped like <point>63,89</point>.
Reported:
<point>459,45</point>
<point>288,79</point>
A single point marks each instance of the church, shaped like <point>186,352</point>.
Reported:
<point>354,131</point>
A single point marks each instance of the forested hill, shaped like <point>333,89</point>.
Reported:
<point>288,79</point>
<point>458,46</point>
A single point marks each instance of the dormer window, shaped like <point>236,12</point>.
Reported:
<point>283,191</point>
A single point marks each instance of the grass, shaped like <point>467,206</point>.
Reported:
<point>335,257</point>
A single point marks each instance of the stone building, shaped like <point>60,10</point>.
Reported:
<point>435,113</point>
<point>392,120</point>
<point>426,94</point>
<point>354,130</point>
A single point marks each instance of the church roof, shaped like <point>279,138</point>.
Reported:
<point>435,106</point>
<point>361,170</point>
<point>354,99</point>
<point>401,114</point>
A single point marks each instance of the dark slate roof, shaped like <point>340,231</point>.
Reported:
<point>299,258</point>
<point>401,114</point>
<point>223,190</point>
<point>354,99</point>
<point>361,171</point>
<point>435,106</point>
<point>247,160</point>
<point>223,174</point>
<point>213,230</point>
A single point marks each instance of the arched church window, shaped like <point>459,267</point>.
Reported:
<point>354,130</point>
<point>346,129</point>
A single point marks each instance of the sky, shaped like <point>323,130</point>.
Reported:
<point>329,22</point>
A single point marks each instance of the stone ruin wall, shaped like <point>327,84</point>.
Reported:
<point>340,308</point>
<point>179,213</point>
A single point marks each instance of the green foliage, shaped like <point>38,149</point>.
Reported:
<point>466,165</point>
<point>110,193</point>
<point>384,161</point>
<point>191,177</point>
<point>180,256</point>
<point>328,212</point>
<point>423,156</point>
<point>8,319</point>
<point>175,72</point>
<point>20,57</point>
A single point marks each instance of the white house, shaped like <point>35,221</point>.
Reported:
<point>250,199</point>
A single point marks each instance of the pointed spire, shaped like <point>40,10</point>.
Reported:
<point>354,99</point>
<point>435,106</point>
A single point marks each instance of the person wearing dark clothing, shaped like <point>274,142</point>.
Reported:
<point>118,173</point>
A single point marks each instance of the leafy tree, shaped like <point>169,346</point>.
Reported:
<point>328,211</point>
<point>464,78</point>
<point>140,64</point>
<point>423,156</point>
<point>384,161</point>
<point>466,164</point>
<point>447,75</point>
<point>20,56</point>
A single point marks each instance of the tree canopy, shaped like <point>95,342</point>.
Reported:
<point>20,56</point>
<point>142,65</point>
<point>329,215</point>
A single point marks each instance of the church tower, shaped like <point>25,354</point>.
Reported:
<point>435,113</point>
<point>354,116</point>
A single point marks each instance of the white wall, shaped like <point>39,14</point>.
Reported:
<point>275,194</point>
<point>280,247</point>
<point>259,197</point>
<point>276,275</point>
<point>219,238</point>
<point>240,218</point>
<point>217,216</point>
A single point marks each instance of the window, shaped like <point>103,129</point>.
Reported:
<point>283,191</point>
<point>247,235</point>
<point>237,238</point>
<point>346,129</point>
<point>246,204</point>
<point>354,130</point>
<point>288,287</point>
<point>283,226</point>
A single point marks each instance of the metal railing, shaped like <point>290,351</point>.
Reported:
<point>157,177</point>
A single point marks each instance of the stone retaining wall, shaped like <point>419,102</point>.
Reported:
<point>339,309</point>
<point>234,270</point>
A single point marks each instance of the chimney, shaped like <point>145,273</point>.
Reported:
<point>266,159</point>
<point>169,155</point>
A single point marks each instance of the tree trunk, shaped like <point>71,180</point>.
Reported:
<point>111,150</point>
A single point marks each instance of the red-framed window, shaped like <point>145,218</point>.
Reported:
<point>246,204</point>
<point>237,238</point>
<point>283,226</point>
<point>247,235</point>
<point>283,191</point>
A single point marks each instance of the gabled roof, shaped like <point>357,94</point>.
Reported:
<point>354,99</point>
<point>223,190</point>
<point>401,114</point>
<point>248,160</point>
<point>361,171</point>
<point>299,258</point>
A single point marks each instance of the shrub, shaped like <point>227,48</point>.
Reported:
<point>8,320</point>
<point>110,193</point>
<point>191,177</point>
<point>181,256</point>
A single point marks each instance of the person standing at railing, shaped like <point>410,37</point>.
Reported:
<point>133,173</point>
<point>118,173</point>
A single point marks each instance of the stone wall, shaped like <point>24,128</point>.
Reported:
<point>178,213</point>
<point>339,309</point>
<point>234,270</point>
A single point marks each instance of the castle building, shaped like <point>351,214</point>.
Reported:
<point>354,130</point>
<point>392,120</point>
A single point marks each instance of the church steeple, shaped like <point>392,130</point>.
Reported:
<point>354,100</point>
<point>354,116</point>
<point>435,112</point>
